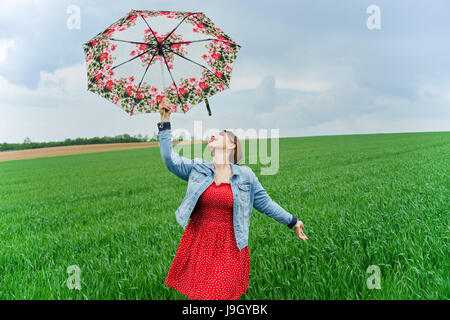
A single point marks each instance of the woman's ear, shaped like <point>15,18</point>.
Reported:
<point>232,146</point>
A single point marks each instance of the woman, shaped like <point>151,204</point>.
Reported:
<point>212,259</point>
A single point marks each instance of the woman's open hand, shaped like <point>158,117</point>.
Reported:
<point>299,230</point>
<point>164,109</point>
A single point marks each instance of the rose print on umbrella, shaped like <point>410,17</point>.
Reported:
<point>194,55</point>
<point>150,39</point>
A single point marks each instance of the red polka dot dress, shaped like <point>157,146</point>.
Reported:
<point>208,264</point>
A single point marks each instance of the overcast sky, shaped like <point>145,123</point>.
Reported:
<point>305,67</point>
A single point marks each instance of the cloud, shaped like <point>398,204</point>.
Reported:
<point>264,97</point>
<point>61,107</point>
<point>53,89</point>
<point>5,46</point>
<point>348,108</point>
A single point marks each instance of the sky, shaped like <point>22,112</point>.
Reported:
<point>307,68</point>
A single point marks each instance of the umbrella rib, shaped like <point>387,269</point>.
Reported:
<point>178,94</point>
<point>131,59</point>
<point>135,42</point>
<point>177,26</point>
<point>156,39</point>
<point>200,66</point>
<point>171,43</point>
<point>184,42</point>
<point>148,65</point>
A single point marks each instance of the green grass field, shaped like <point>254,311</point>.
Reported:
<point>380,199</point>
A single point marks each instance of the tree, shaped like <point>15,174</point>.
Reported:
<point>27,140</point>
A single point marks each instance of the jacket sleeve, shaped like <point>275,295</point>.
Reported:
<point>178,165</point>
<point>264,204</point>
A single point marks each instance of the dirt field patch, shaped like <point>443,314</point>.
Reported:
<point>68,150</point>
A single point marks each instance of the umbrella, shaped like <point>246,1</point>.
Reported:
<point>195,59</point>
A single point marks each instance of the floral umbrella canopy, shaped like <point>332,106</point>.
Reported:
<point>195,57</point>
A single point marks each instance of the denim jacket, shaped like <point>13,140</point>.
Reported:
<point>199,173</point>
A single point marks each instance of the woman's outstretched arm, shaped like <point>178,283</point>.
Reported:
<point>178,165</point>
<point>264,203</point>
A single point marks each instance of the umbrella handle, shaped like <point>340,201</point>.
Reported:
<point>207,106</point>
<point>162,74</point>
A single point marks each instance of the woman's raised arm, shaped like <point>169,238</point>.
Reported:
<point>178,165</point>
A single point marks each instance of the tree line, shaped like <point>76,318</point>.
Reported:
<point>122,138</point>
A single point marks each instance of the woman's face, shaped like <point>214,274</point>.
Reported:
<point>220,141</point>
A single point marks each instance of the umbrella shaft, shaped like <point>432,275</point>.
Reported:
<point>162,74</point>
